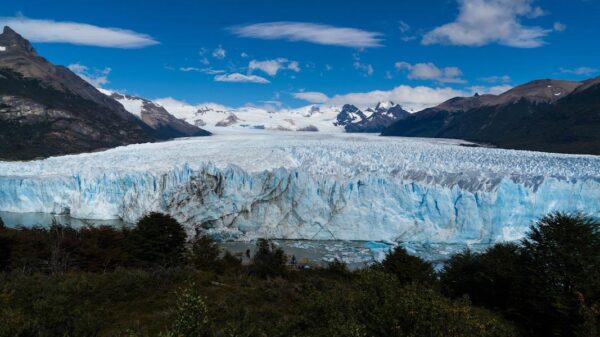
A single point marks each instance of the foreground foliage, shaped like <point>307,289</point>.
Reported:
<point>96,282</point>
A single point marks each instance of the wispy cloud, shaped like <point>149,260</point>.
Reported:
<point>579,71</point>
<point>209,70</point>
<point>496,79</point>
<point>559,27</point>
<point>365,68</point>
<point>219,53</point>
<point>76,33</point>
<point>482,22</point>
<point>431,72</point>
<point>310,32</point>
<point>241,78</point>
<point>272,67</point>
<point>96,77</point>
<point>494,90</point>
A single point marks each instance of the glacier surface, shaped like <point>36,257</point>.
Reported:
<point>312,186</point>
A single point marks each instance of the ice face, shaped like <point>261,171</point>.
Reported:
<point>313,186</point>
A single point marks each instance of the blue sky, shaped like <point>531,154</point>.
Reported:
<point>293,53</point>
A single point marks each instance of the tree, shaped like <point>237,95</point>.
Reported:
<point>562,256</point>
<point>492,278</point>
<point>158,240</point>
<point>204,253</point>
<point>408,268</point>
<point>268,260</point>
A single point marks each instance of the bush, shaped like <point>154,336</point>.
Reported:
<point>492,279</point>
<point>408,268</point>
<point>191,318</point>
<point>158,240</point>
<point>204,253</point>
<point>376,304</point>
<point>268,260</point>
<point>549,285</point>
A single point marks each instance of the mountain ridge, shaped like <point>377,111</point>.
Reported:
<point>541,115</point>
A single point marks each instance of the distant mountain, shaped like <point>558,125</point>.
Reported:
<point>329,118</point>
<point>372,119</point>
<point>214,117</point>
<point>164,124</point>
<point>543,115</point>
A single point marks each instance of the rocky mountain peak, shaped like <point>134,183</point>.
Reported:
<point>11,41</point>
<point>384,105</point>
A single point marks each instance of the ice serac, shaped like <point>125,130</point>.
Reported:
<point>354,187</point>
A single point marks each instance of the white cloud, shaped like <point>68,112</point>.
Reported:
<point>496,79</point>
<point>272,67</point>
<point>95,77</point>
<point>209,70</point>
<point>411,98</point>
<point>294,66</point>
<point>404,30</point>
<point>482,22</point>
<point>579,71</point>
<point>431,72</point>
<point>76,33</point>
<point>494,90</point>
<point>311,96</point>
<point>219,53</point>
<point>243,55</point>
<point>403,26</point>
<point>365,68</point>
<point>559,27</point>
<point>241,78</point>
<point>310,32</point>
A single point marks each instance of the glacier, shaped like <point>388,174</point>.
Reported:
<point>282,185</point>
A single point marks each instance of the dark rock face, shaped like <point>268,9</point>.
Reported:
<point>372,120</point>
<point>47,110</point>
<point>165,125</point>
<point>231,119</point>
<point>543,115</point>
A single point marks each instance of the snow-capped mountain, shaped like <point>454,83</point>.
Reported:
<point>212,116</point>
<point>318,117</point>
<point>371,119</point>
<point>156,117</point>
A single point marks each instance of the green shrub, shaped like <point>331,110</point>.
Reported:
<point>158,240</point>
<point>408,268</point>
<point>191,317</point>
<point>268,260</point>
<point>549,285</point>
<point>204,253</point>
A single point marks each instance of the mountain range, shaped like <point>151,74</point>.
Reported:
<point>47,110</point>
<point>321,117</point>
<point>542,115</point>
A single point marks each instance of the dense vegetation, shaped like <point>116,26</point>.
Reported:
<point>150,281</point>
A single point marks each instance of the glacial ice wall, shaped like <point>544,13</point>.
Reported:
<point>276,185</point>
